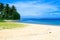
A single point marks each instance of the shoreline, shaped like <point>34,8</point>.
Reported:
<point>31,32</point>
<point>10,20</point>
<point>37,24</point>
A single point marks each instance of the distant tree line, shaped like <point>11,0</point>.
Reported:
<point>8,13</point>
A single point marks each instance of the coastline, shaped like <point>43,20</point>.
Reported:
<point>39,24</point>
<point>31,32</point>
<point>10,20</point>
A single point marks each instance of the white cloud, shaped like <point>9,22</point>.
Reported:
<point>34,9</point>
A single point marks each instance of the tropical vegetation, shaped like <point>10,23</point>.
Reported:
<point>10,25</point>
<point>8,12</point>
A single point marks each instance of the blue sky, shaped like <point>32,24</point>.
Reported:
<point>36,8</point>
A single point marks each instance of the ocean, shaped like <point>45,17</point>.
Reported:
<point>41,21</point>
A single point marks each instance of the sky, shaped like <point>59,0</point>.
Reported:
<point>36,8</point>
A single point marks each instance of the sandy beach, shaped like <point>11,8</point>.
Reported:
<point>31,32</point>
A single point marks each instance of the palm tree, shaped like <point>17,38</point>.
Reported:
<point>1,10</point>
<point>15,14</point>
<point>7,12</point>
<point>7,9</point>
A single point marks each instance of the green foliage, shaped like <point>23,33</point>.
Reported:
<point>1,7</point>
<point>7,12</point>
<point>14,13</point>
<point>10,25</point>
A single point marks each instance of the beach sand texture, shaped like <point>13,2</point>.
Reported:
<point>31,32</point>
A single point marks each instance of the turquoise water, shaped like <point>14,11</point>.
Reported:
<point>41,21</point>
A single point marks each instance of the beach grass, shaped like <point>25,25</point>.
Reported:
<point>10,25</point>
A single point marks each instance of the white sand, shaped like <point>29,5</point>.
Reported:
<point>31,32</point>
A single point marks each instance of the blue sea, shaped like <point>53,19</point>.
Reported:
<point>41,21</point>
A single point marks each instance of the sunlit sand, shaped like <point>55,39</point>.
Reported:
<point>31,32</point>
